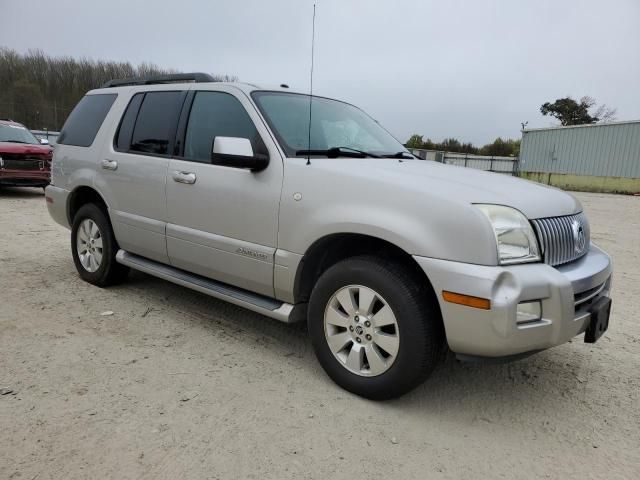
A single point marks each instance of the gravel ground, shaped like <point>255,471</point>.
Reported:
<point>175,384</point>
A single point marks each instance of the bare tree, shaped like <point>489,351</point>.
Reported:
<point>602,113</point>
<point>40,91</point>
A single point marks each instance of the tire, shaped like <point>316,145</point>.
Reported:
<point>416,337</point>
<point>106,271</point>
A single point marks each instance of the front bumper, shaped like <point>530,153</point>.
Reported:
<point>565,293</point>
<point>25,178</point>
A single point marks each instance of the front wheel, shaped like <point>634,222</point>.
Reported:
<point>375,327</point>
<point>94,247</point>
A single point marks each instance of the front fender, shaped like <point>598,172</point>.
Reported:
<point>314,206</point>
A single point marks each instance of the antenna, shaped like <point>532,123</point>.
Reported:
<point>313,38</point>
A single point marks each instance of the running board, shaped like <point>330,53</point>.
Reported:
<point>238,296</point>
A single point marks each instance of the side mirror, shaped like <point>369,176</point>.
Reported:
<point>44,141</point>
<point>237,152</point>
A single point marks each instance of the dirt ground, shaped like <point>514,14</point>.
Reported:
<point>175,384</point>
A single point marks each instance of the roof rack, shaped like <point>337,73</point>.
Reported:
<point>153,79</point>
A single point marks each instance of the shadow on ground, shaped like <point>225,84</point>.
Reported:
<point>20,192</point>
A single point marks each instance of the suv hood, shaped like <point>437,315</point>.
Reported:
<point>459,184</point>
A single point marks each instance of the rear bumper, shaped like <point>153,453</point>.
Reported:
<point>565,294</point>
<point>57,199</point>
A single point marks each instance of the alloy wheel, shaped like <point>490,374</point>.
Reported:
<point>361,330</point>
<point>89,245</point>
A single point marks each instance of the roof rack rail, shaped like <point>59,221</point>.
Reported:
<point>195,77</point>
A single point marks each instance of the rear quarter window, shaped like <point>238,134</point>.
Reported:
<point>85,120</point>
<point>125,131</point>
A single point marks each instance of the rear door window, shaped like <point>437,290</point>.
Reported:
<point>85,120</point>
<point>156,123</point>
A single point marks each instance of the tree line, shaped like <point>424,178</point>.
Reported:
<point>498,148</point>
<point>40,91</point>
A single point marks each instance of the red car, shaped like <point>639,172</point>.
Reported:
<point>23,160</point>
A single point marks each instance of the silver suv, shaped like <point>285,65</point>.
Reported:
<point>304,208</point>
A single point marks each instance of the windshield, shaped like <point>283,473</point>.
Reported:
<point>334,124</point>
<point>17,134</point>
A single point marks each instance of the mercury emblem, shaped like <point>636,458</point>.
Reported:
<point>579,238</point>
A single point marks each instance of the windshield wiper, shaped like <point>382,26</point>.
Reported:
<point>335,152</point>
<point>405,155</point>
<point>14,141</point>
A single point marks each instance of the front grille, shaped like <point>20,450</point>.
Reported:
<point>583,300</point>
<point>587,295</point>
<point>562,239</point>
<point>23,162</point>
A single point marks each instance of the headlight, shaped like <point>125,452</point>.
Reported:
<point>515,238</point>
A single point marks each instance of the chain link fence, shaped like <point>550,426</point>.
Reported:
<point>507,165</point>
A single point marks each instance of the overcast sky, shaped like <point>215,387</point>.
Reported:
<point>469,69</point>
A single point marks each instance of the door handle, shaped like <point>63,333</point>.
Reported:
<point>109,164</point>
<point>184,177</point>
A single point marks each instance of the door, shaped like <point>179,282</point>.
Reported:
<point>222,220</point>
<point>133,172</point>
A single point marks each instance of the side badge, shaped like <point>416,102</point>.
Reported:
<point>297,196</point>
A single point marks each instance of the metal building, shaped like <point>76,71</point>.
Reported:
<point>602,157</point>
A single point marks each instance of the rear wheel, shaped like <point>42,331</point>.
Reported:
<point>375,327</point>
<point>94,247</point>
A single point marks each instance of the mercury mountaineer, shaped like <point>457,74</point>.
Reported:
<point>241,193</point>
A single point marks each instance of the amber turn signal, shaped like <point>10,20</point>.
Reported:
<point>466,300</point>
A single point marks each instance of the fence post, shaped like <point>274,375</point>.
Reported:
<point>466,155</point>
<point>491,164</point>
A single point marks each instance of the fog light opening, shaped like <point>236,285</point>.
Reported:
<point>528,312</point>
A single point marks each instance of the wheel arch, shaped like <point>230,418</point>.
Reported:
<point>332,248</point>
<point>82,195</point>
